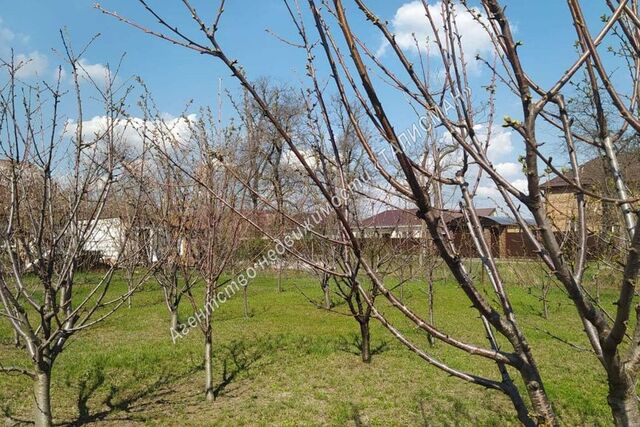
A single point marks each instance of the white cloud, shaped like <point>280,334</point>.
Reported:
<point>500,143</point>
<point>35,64</point>
<point>6,36</point>
<point>410,21</point>
<point>512,172</point>
<point>489,192</point>
<point>129,132</point>
<point>509,170</point>
<point>520,184</point>
<point>99,73</point>
<point>31,65</point>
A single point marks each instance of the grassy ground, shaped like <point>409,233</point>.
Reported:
<point>294,364</point>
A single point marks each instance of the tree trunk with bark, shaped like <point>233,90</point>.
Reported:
<point>174,319</point>
<point>208,372</point>
<point>365,344</point>
<point>42,395</point>
<point>245,298</point>
<point>541,405</point>
<point>622,397</point>
<point>326,291</point>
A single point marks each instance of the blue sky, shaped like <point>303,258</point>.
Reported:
<point>176,75</point>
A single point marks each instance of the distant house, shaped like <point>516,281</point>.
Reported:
<point>108,242</point>
<point>403,223</point>
<point>503,234</point>
<point>561,201</point>
<point>106,238</point>
<point>111,239</point>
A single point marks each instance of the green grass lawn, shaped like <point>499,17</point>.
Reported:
<point>294,364</point>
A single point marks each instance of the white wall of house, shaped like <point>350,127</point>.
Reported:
<point>397,232</point>
<point>107,237</point>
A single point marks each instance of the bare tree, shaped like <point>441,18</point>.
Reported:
<point>171,206</point>
<point>265,149</point>
<point>61,183</point>
<point>172,232</point>
<point>219,230</point>
<point>338,162</point>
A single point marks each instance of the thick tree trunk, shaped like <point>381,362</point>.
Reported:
<point>516,399</point>
<point>207,367</point>
<point>365,348</point>
<point>42,396</point>
<point>623,401</point>
<point>174,319</point>
<point>541,406</point>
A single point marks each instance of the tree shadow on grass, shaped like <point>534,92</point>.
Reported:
<point>126,404</point>
<point>353,344</point>
<point>10,419</point>
<point>123,405</point>
<point>239,357</point>
<point>458,414</point>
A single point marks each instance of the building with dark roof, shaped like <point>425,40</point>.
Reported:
<point>403,223</point>
<point>503,234</point>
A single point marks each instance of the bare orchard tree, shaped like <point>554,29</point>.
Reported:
<point>449,103</point>
<point>172,234</point>
<point>217,230</point>
<point>339,290</point>
<point>339,164</point>
<point>171,204</point>
<point>267,149</point>
<point>61,182</point>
